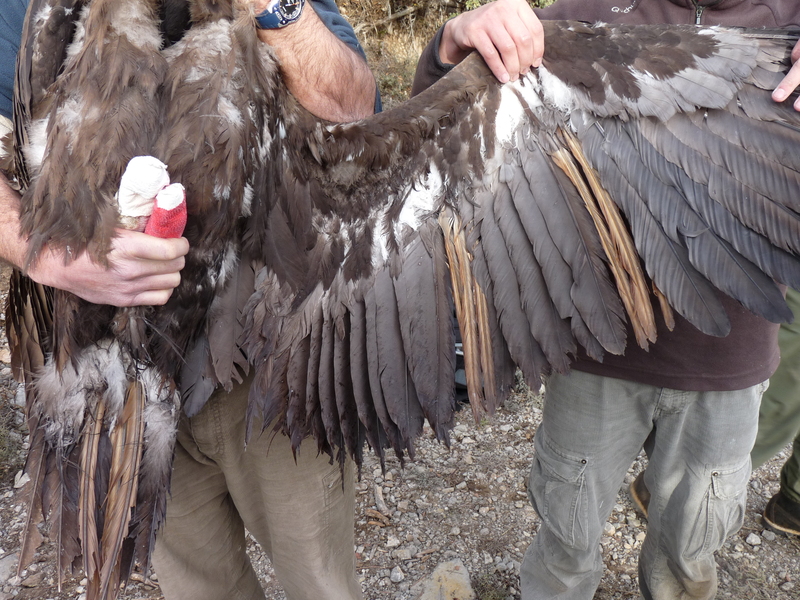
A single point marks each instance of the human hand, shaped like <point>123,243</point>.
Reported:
<point>506,33</point>
<point>791,81</point>
<point>142,270</point>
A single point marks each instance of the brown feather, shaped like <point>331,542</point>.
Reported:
<point>88,509</point>
<point>126,441</point>
<point>615,237</point>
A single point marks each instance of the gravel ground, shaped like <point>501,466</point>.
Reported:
<point>467,502</point>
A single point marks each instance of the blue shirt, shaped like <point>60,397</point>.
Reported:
<point>13,15</point>
<point>11,18</point>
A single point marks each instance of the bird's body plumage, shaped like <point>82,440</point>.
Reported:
<point>328,258</point>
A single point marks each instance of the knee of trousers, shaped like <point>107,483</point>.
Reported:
<point>697,529</point>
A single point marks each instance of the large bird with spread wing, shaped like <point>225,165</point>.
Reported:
<point>544,211</point>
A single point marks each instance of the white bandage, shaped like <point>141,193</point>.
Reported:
<point>143,178</point>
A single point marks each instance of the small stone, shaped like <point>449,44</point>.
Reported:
<point>640,536</point>
<point>392,541</point>
<point>753,540</point>
<point>787,586</point>
<point>19,396</point>
<point>402,506</point>
<point>34,580</point>
<point>768,535</point>
<point>455,531</point>
<point>403,554</point>
<point>609,529</point>
<point>461,486</point>
<point>380,503</point>
<point>7,567</point>
<point>397,575</point>
<point>20,479</point>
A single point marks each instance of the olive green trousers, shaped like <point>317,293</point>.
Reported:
<point>779,416</point>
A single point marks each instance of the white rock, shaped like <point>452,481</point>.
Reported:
<point>7,567</point>
<point>397,575</point>
<point>20,479</point>
<point>753,540</point>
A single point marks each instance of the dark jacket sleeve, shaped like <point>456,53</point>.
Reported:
<point>11,18</point>
<point>429,68</point>
<point>329,14</point>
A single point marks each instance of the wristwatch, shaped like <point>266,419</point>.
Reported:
<point>279,13</point>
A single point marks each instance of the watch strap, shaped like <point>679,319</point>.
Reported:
<point>279,13</point>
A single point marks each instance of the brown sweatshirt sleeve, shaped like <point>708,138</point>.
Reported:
<point>429,67</point>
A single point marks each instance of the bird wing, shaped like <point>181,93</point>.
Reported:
<point>541,209</point>
<point>535,210</point>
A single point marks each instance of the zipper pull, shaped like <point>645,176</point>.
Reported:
<point>698,12</point>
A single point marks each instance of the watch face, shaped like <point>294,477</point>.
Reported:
<point>291,8</point>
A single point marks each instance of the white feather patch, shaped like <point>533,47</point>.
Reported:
<point>37,144</point>
<point>556,92</point>
<point>134,21</point>
<point>100,373</point>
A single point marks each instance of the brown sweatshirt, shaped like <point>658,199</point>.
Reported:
<point>684,358</point>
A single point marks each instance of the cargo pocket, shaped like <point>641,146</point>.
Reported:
<point>557,490</point>
<point>721,511</point>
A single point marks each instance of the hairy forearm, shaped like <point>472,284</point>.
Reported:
<point>321,71</point>
<point>12,245</point>
<point>142,269</point>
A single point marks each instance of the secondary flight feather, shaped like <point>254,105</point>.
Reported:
<point>327,259</point>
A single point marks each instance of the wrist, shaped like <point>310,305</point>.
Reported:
<point>276,14</point>
<point>450,53</point>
